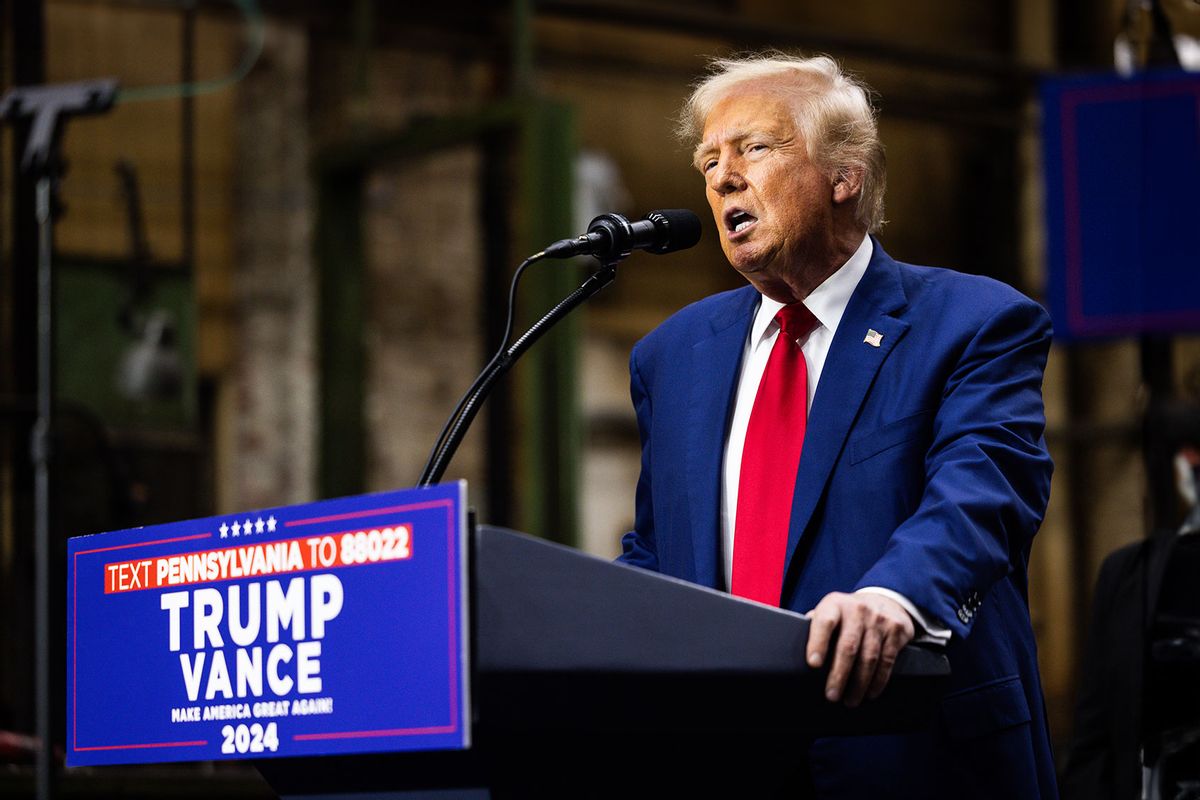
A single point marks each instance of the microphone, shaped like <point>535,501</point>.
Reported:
<point>611,237</point>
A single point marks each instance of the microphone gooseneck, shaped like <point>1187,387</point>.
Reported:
<point>610,238</point>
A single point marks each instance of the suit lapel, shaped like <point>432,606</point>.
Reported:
<point>846,379</point>
<point>716,363</point>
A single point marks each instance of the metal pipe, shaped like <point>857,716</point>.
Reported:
<point>40,449</point>
<point>736,30</point>
<point>187,142</point>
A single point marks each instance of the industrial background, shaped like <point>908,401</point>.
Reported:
<point>310,253</point>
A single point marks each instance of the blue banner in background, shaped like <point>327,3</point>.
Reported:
<point>1122,176</point>
<point>327,628</point>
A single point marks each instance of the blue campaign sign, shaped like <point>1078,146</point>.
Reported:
<point>327,628</point>
<point>1122,163</point>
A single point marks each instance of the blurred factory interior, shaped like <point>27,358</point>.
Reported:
<point>284,254</point>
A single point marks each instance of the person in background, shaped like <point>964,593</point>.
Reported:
<point>1139,683</point>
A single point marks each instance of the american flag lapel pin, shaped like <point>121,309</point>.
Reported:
<point>873,337</point>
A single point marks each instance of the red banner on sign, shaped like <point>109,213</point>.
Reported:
<point>345,549</point>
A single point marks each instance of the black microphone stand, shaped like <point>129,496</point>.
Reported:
<point>469,407</point>
<point>47,109</point>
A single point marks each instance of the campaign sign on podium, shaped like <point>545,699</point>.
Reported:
<point>327,628</point>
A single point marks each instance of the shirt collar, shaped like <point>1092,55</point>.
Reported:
<point>827,302</point>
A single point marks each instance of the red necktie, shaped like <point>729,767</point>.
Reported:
<point>770,459</point>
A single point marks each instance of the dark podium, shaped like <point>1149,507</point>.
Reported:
<point>593,679</point>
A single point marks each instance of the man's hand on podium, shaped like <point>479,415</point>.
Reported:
<point>867,632</point>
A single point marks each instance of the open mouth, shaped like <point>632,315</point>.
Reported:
<point>737,221</point>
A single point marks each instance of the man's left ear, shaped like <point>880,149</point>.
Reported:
<point>847,185</point>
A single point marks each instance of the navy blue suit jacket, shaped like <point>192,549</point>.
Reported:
<point>924,470</point>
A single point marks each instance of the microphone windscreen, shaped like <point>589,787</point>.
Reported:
<point>678,229</point>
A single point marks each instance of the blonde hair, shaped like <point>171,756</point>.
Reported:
<point>833,112</point>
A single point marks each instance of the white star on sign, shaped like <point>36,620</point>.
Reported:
<point>246,526</point>
<point>271,524</point>
<point>224,529</point>
<point>237,529</point>
<point>258,525</point>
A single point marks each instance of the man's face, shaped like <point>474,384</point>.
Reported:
<point>772,206</point>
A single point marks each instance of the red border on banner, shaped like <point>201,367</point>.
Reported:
<point>1079,320</point>
<point>141,746</point>
<point>374,734</point>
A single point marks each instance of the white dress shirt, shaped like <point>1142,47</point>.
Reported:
<point>827,303</point>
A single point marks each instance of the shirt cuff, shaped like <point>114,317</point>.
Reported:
<point>927,632</point>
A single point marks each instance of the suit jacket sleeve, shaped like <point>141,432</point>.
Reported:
<point>987,474</point>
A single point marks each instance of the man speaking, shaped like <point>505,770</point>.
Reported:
<point>851,437</point>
